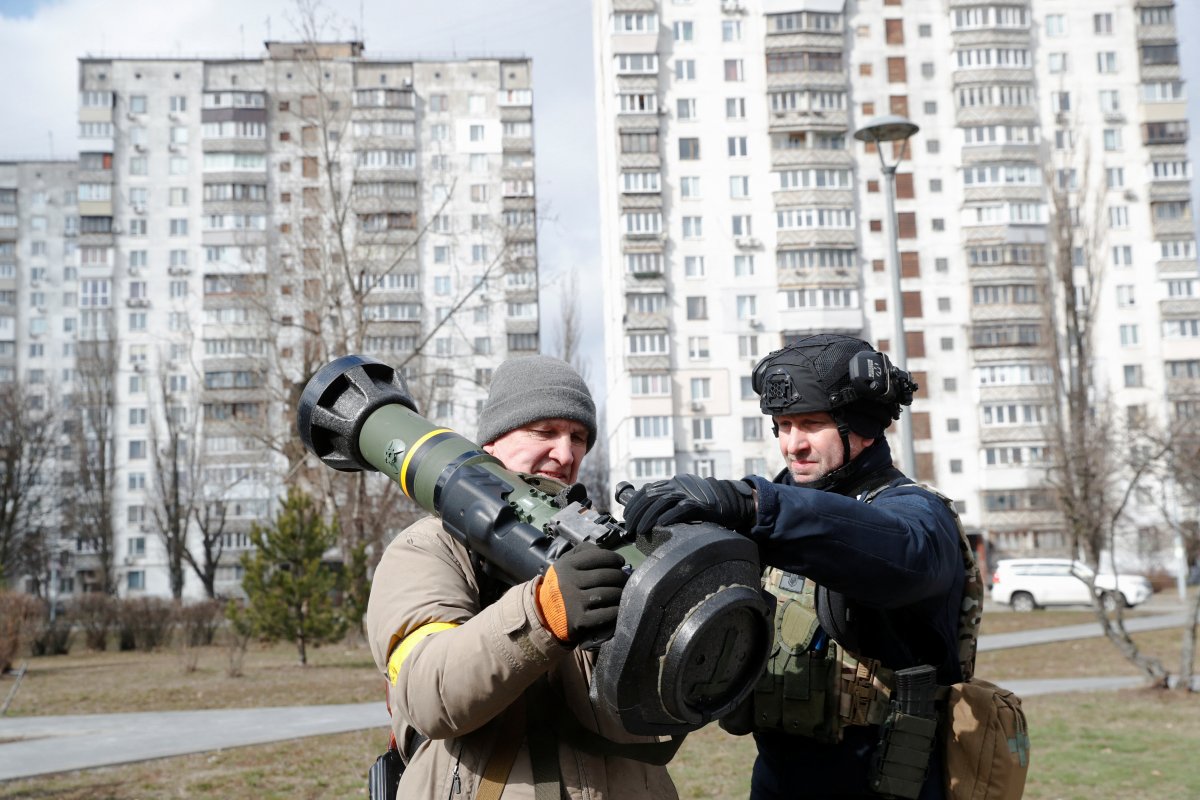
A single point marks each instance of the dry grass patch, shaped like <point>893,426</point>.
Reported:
<point>91,683</point>
<point>1082,658</point>
<point>1003,621</point>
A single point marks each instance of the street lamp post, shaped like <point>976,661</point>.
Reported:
<point>877,130</point>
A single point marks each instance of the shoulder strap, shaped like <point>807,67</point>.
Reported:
<point>970,611</point>
<point>504,753</point>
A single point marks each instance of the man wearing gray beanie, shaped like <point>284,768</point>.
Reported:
<point>539,418</point>
<point>473,663</point>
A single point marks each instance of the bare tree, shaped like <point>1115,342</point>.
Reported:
<point>1099,459</point>
<point>89,509</point>
<point>175,471</point>
<point>27,437</point>
<point>594,472</point>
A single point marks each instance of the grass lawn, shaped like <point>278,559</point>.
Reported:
<point>88,683</point>
<point>1086,746</point>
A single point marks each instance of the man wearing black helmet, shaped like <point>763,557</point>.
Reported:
<point>867,569</point>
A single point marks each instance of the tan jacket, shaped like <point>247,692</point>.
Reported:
<point>455,684</point>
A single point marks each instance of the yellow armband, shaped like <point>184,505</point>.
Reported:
<point>409,642</point>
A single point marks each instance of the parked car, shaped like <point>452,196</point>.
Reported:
<point>1030,583</point>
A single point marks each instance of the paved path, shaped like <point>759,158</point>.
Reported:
<point>1066,633</point>
<point>58,744</point>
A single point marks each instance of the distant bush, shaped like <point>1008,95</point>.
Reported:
<point>144,623</point>
<point>1160,580</point>
<point>96,616</point>
<point>198,622</point>
<point>51,638</point>
<point>18,614</point>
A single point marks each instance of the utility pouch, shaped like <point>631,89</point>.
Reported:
<point>907,736</point>
<point>902,758</point>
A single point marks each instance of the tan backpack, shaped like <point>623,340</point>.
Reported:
<point>985,737</point>
<point>986,746</point>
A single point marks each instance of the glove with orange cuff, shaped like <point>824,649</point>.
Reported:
<point>579,595</point>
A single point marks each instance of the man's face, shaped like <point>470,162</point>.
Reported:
<point>553,448</point>
<point>812,446</point>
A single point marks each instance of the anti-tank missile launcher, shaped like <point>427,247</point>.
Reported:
<point>693,630</point>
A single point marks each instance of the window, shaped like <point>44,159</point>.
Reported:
<point>747,307</point>
<point>637,63</point>
<point>1125,296</point>
<point>752,428</point>
<point>650,385</point>
<point>1106,62</point>
<point>737,146</point>
<point>1118,216</point>
<point>697,308</point>
<point>740,225</point>
<point>697,347</point>
<point>1129,335</point>
<point>693,266</point>
<point>735,108</point>
<point>702,429</point>
<point>1122,256</point>
<point>1056,25</point>
<point>693,227</point>
<point>689,149</point>
<point>654,427</point>
<point>1102,24</point>
<point>685,108</point>
<point>689,187</point>
<point>685,69</point>
<point>135,580</point>
<point>743,266</point>
<point>734,70</point>
<point>1112,139</point>
<point>739,186</point>
<point>1114,177</point>
<point>683,30</point>
<point>1133,375</point>
<point>748,346</point>
<point>1057,63</point>
<point>731,30</point>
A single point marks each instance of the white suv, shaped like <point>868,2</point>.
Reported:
<point>1029,583</point>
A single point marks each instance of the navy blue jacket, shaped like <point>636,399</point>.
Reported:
<point>897,568</point>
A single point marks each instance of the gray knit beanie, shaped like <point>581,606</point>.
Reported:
<point>532,388</point>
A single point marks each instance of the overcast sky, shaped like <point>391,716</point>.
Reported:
<point>41,39</point>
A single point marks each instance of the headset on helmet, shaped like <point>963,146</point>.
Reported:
<point>831,372</point>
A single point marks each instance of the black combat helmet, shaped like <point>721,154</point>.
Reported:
<point>841,375</point>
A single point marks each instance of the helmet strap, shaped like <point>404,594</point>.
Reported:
<point>844,430</point>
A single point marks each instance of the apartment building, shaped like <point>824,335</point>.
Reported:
<point>39,223</point>
<point>739,212</point>
<point>241,222</point>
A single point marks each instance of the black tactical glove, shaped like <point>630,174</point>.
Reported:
<point>690,498</point>
<point>579,595</point>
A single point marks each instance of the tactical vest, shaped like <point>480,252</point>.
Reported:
<point>816,692</point>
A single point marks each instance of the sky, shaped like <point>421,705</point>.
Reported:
<point>40,41</point>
